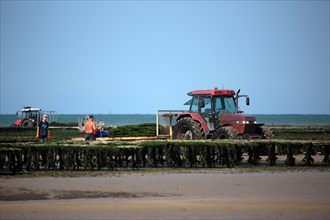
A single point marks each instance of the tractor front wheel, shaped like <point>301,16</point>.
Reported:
<point>265,133</point>
<point>225,133</point>
<point>187,129</point>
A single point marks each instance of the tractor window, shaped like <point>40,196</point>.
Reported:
<point>206,108</point>
<point>194,105</point>
<point>225,104</point>
<point>188,102</point>
<point>33,115</point>
<point>201,104</point>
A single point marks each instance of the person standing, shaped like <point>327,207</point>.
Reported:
<point>90,129</point>
<point>43,129</point>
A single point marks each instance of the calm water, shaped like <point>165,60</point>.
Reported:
<point>132,119</point>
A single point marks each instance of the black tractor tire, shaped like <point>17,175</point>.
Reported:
<point>225,133</point>
<point>187,129</point>
<point>265,133</point>
<point>27,124</point>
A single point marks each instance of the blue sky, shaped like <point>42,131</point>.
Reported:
<point>140,56</point>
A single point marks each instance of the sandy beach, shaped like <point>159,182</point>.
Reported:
<point>217,194</point>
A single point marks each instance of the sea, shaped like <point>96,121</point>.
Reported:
<point>115,120</point>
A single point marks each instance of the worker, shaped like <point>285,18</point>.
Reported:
<point>90,129</point>
<point>43,129</point>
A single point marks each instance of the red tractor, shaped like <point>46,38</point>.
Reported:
<point>29,117</point>
<point>214,114</point>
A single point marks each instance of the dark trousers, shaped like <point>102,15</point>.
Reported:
<point>89,136</point>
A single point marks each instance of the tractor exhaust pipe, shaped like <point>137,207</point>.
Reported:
<point>237,100</point>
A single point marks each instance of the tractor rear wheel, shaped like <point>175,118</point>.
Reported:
<point>187,129</point>
<point>27,124</point>
<point>225,133</point>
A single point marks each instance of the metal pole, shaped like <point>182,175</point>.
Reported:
<point>157,132</point>
<point>170,126</point>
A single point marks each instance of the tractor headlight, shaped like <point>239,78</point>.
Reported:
<point>243,122</point>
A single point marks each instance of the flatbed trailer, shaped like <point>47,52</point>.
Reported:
<point>159,137</point>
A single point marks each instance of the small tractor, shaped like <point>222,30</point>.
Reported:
<point>29,117</point>
<point>214,114</point>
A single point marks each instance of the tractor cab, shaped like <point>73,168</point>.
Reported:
<point>211,108</point>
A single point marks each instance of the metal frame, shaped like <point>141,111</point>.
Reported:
<point>169,114</point>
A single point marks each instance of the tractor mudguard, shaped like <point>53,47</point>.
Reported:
<point>197,117</point>
<point>18,123</point>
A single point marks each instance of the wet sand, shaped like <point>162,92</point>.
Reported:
<point>168,195</point>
